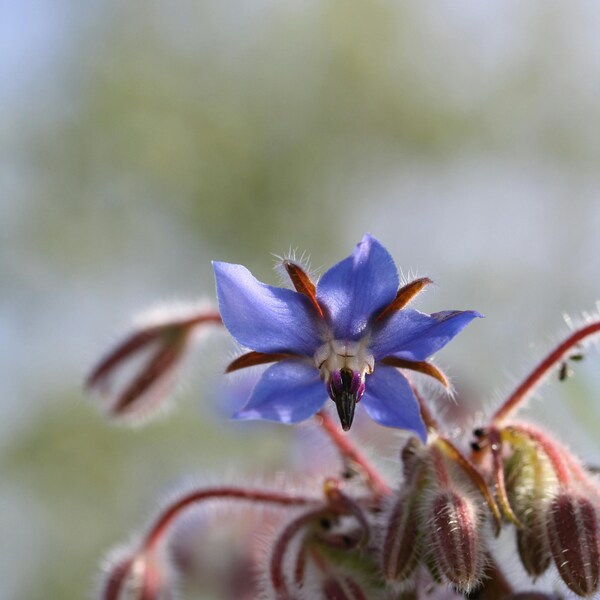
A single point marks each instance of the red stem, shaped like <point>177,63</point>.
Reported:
<point>533,380</point>
<point>350,452</point>
<point>426,414</point>
<point>441,472</point>
<point>226,493</point>
<point>112,588</point>
<point>203,318</point>
<point>281,545</point>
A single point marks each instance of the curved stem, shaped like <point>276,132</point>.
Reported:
<point>212,317</point>
<point>533,380</point>
<point>115,579</point>
<point>224,493</point>
<point>285,537</point>
<point>430,421</point>
<point>349,452</point>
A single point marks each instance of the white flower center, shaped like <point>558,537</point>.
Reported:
<point>339,354</point>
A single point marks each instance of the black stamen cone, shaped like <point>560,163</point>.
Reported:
<point>345,400</point>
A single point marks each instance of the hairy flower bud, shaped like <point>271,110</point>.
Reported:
<point>454,540</point>
<point>530,484</point>
<point>533,548</point>
<point>400,547</point>
<point>572,525</point>
<point>137,375</point>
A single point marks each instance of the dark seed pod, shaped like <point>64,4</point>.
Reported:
<point>453,534</point>
<point>401,548</point>
<point>533,548</point>
<point>572,524</point>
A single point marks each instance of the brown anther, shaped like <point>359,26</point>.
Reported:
<point>404,295</point>
<point>251,359</point>
<point>303,284</point>
<point>421,366</point>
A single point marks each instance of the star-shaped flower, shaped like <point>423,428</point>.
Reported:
<point>348,337</point>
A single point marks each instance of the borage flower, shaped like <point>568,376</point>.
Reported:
<point>350,331</point>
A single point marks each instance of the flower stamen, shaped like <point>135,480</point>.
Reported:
<point>420,366</point>
<point>343,366</point>
<point>303,284</point>
<point>251,359</point>
<point>404,295</point>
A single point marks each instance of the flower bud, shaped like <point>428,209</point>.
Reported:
<point>453,536</point>
<point>138,374</point>
<point>533,547</point>
<point>400,548</point>
<point>572,525</point>
<point>530,485</point>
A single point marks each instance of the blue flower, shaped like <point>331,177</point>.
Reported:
<point>348,337</point>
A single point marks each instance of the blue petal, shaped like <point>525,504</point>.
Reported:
<point>262,317</point>
<point>288,392</point>
<point>358,287</point>
<point>389,401</point>
<point>413,335</point>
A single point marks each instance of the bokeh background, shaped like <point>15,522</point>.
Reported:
<point>141,139</point>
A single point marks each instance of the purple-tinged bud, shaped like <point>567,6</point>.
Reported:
<point>453,534</point>
<point>346,388</point>
<point>401,542</point>
<point>572,526</point>
<point>137,376</point>
<point>342,587</point>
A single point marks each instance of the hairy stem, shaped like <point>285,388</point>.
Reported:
<point>283,541</point>
<point>223,493</point>
<point>534,379</point>
<point>349,452</point>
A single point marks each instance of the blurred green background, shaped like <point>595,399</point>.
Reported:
<point>141,139</point>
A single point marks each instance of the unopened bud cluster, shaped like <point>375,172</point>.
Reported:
<point>437,522</point>
<point>433,528</point>
<point>556,504</point>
